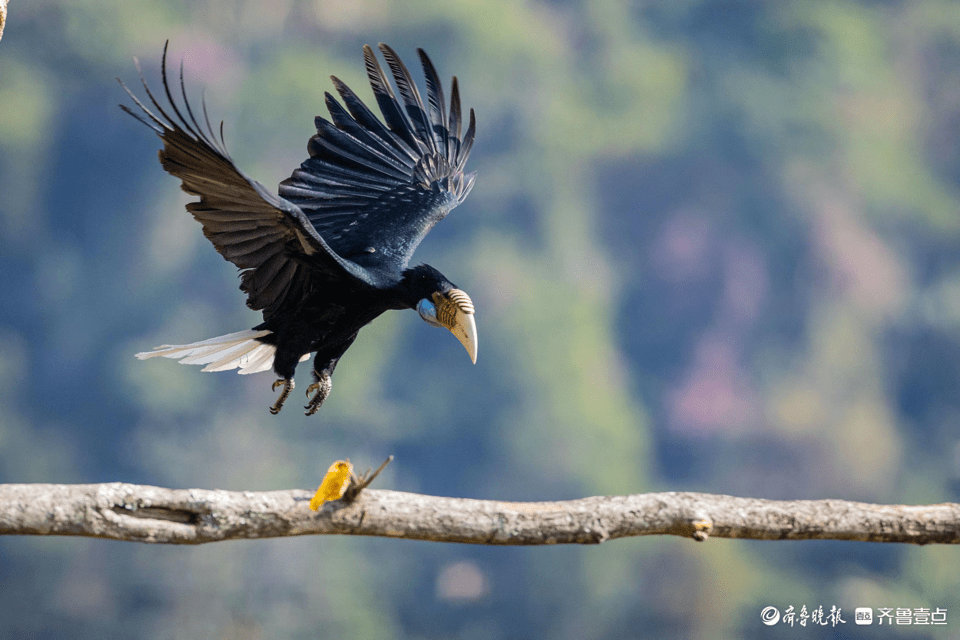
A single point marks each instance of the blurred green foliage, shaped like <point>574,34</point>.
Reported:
<point>713,246</point>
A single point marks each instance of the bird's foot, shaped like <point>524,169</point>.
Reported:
<point>287,388</point>
<point>318,392</point>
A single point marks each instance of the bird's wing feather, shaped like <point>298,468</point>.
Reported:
<point>271,239</point>
<point>374,189</point>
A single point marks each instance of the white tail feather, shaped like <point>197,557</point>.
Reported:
<point>236,357</point>
<point>260,360</point>
<point>242,350</point>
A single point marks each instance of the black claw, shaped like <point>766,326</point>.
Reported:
<point>320,390</point>
<point>287,388</point>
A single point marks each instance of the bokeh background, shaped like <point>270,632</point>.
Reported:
<point>714,246</point>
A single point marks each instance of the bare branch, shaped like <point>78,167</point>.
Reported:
<point>195,516</point>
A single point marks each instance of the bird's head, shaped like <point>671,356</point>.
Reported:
<point>441,304</point>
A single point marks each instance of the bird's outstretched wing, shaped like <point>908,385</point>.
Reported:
<point>374,189</point>
<point>269,238</point>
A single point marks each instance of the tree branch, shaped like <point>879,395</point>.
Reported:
<point>194,516</point>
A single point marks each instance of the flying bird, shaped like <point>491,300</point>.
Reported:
<point>331,250</point>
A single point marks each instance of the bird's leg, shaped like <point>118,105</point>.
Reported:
<point>323,365</point>
<point>318,391</point>
<point>287,388</point>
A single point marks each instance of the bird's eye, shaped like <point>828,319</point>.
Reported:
<point>428,311</point>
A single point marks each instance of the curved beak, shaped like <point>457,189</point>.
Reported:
<point>465,328</point>
<point>455,312</point>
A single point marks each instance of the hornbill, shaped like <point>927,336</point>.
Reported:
<point>331,251</point>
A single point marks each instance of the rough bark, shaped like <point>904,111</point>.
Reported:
<point>194,516</point>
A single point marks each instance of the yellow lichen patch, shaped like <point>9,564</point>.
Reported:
<point>334,484</point>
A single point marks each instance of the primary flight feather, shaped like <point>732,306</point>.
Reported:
<point>331,251</point>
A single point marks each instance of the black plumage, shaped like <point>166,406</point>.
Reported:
<point>331,251</point>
